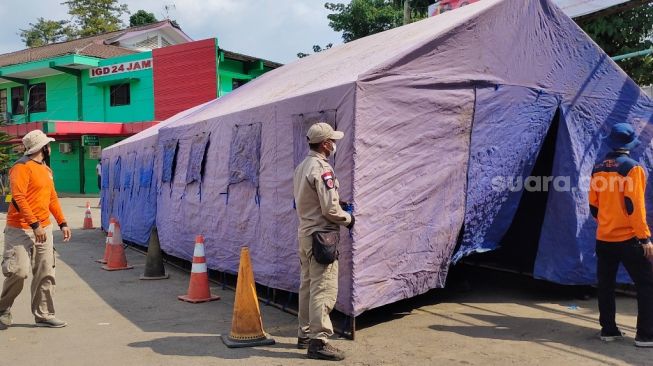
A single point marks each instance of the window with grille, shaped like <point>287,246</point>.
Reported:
<point>120,94</point>
<point>37,98</point>
<point>3,106</point>
<point>17,100</point>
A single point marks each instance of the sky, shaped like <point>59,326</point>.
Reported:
<point>273,30</point>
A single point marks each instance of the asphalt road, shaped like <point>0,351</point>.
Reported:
<point>116,319</point>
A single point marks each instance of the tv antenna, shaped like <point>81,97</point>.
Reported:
<point>167,8</point>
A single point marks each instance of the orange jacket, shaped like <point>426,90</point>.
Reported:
<point>617,199</point>
<point>33,196</point>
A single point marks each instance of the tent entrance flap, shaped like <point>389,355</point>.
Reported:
<point>510,126</point>
<point>518,248</point>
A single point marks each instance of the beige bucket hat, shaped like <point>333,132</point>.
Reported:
<point>35,140</point>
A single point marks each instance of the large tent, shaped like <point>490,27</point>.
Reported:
<point>433,114</point>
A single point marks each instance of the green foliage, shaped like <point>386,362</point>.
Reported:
<point>361,18</point>
<point>141,17</point>
<point>45,32</point>
<point>93,17</point>
<point>626,32</point>
<point>7,158</point>
<point>90,17</point>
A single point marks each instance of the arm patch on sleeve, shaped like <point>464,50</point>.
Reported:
<point>327,178</point>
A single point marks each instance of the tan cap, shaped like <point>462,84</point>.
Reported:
<point>34,141</point>
<point>321,132</point>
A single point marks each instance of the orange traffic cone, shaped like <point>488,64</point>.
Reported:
<point>198,289</point>
<point>108,241</point>
<point>117,259</point>
<point>246,323</point>
<point>88,219</point>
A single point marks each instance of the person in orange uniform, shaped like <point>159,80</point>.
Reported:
<point>28,234</point>
<point>617,203</point>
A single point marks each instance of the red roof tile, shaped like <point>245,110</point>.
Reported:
<point>89,46</point>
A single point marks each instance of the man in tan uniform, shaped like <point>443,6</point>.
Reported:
<point>318,208</point>
<point>28,235</point>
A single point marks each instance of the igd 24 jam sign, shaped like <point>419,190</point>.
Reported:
<point>120,68</point>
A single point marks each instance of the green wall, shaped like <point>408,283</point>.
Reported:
<point>233,69</point>
<point>66,166</point>
<point>62,105</point>
<point>60,98</point>
<point>89,165</point>
<point>96,91</point>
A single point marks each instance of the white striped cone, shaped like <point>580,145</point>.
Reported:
<point>117,260</point>
<point>199,260</point>
<point>88,219</point>
<point>108,242</point>
<point>117,235</point>
<point>198,289</point>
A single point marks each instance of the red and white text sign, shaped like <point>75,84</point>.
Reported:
<point>121,68</point>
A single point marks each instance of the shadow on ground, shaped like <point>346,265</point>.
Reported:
<point>153,305</point>
<point>549,333</point>
<point>212,346</point>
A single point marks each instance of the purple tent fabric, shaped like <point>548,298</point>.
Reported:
<point>432,113</point>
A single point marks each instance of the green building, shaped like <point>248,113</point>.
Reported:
<point>92,92</point>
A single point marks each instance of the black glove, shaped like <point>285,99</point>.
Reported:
<point>351,224</point>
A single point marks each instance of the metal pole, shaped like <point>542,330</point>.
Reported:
<point>633,54</point>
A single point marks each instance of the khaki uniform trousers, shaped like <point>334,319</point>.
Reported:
<point>317,293</point>
<point>19,254</point>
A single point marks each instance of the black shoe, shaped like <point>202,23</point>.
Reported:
<point>302,342</point>
<point>643,341</point>
<point>321,350</point>
<point>51,323</point>
<point>609,336</point>
<point>5,320</point>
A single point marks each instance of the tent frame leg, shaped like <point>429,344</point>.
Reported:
<point>348,330</point>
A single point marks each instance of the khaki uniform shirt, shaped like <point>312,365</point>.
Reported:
<point>316,196</point>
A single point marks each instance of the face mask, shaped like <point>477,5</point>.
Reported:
<point>334,148</point>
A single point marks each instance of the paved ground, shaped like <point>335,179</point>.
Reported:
<point>116,319</point>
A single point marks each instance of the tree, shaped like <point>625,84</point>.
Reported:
<point>45,32</point>
<point>93,17</point>
<point>141,17</point>
<point>7,158</point>
<point>626,32</point>
<point>361,18</point>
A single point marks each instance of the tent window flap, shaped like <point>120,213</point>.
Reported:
<point>147,169</point>
<point>301,123</point>
<point>116,174</point>
<point>197,158</point>
<point>245,154</point>
<point>105,173</point>
<point>169,160</point>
